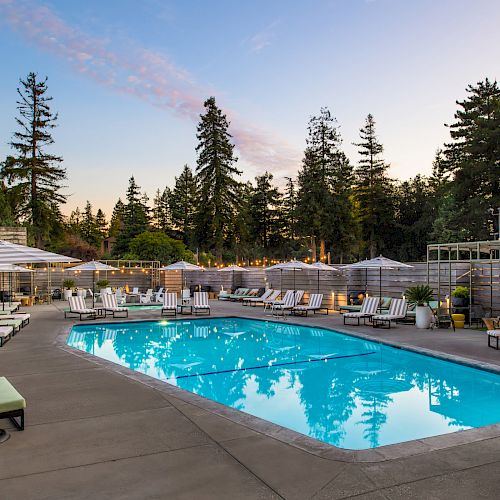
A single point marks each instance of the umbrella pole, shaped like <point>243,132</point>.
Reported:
<point>93,289</point>
<point>318,280</point>
<point>3,293</point>
<point>380,288</point>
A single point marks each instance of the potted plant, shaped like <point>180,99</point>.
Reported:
<point>460,297</point>
<point>420,296</point>
<point>102,283</point>
<point>68,285</point>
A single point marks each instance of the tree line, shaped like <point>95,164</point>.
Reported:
<point>333,208</point>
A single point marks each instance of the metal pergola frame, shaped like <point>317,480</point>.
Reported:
<point>468,252</point>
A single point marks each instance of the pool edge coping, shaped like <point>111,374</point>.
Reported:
<point>288,436</point>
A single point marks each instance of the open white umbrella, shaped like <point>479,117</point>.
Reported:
<point>12,253</point>
<point>321,266</point>
<point>182,266</point>
<point>233,269</point>
<point>10,269</point>
<point>293,265</point>
<point>379,263</point>
<point>94,266</point>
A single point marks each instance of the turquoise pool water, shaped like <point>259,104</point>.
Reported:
<point>339,389</point>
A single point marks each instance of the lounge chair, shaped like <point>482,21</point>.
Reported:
<point>169,307</point>
<point>135,290</point>
<point>200,303</point>
<point>16,324</point>
<point>145,298</point>
<point>121,298</point>
<point>397,311</point>
<point>111,305</point>
<point>289,303</point>
<point>77,306</point>
<point>492,330</point>
<point>159,294</point>
<point>256,300</point>
<point>272,301</point>
<point>24,317</point>
<point>368,309</point>
<point>254,292</point>
<point>240,292</point>
<point>314,304</point>
<point>224,295</point>
<point>6,333</point>
<point>12,404</point>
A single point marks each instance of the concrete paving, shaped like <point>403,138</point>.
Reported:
<point>97,431</point>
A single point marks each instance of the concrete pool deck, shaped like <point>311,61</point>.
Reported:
<point>97,432</point>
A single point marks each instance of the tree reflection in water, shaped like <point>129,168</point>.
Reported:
<point>272,369</point>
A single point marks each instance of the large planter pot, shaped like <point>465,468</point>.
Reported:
<point>67,294</point>
<point>459,302</point>
<point>423,317</point>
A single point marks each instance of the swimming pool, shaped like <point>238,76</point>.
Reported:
<point>339,389</point>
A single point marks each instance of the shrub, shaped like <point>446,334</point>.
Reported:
<point>460,292</point>
<point>69,284</point>
<point>102,283</point>
<point>419,295</point>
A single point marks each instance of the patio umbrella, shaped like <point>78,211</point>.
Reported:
<point>182,266</point>
<point>94,266</point>
<point>293,265</point>
<point>233,269</point>
<point>320,266</point>
<point>12,253</point>
<point>379,263</point>
<point>10,269</point>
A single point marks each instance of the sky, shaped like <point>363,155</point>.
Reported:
<point>129,79</point>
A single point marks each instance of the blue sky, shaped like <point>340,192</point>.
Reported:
<point>128,79</point>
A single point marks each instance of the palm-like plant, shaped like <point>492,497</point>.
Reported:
<point>420,295</point>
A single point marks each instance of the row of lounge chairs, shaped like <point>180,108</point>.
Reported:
<point>398,310</point>
<point>11,321</point>
<point>170,306</point>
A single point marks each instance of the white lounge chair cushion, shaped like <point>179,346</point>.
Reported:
<point>357,314</point>
<point>5,331</point>
<point>493,333</point>
<point>388,316</point>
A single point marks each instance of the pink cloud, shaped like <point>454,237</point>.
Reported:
<point>144,74</point>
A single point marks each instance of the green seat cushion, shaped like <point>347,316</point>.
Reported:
<point>10,399</point>
<point>11,322</point>
<point>350,308</point>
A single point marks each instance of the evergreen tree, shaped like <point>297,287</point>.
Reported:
<point>117,222</point>
<point>101,224</point>
<point>289,210</point>
<point>373,190</point>
<point>35,174</point>
<point>473,158</point>
<point>135,218</point>
<point>215,170</point>
<point>88,227</point>
<point>6,216</point>
<point>323,202</point>
<point>162,217</point>
<point>263,210</point>
<point>183,203</point>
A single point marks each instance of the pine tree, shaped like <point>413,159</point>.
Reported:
<point>101,224</point>
<point>373,190</point>
<point>289,210</point>
<point>323,201</point>
<point>88,227</point>
<point>473,159</point>
<point>215,177</point>
<point>263,210</point>
<point>35,174</point>
<point>183,203</point>
<point>161,213</point>
<point>116,224</point>
<point>135,218</point>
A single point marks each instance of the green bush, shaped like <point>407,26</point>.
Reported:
<point>419,295</point>
<point>102,283</point>
<point>158,246</point>
<point>69,284</point>
<point>460,292</point>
